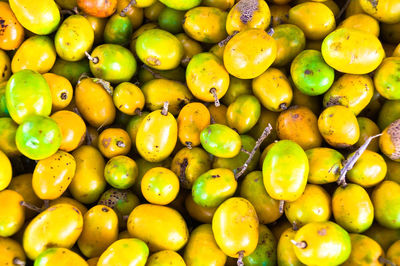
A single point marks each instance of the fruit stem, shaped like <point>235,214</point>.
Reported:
<point>349,163</point>
<point>188,144</point>
<point>301,244</point>
<point>94,60</point>
<point>30,206</point>
<point>213,91</point>
<point>123,11</point>
<point>121,144</point>
<point>342,10</point>
<point>281,205</point>
<point>245,151</point>
<point>243,168</point>
<point>155,75</point>
<point>17,261</point>
<point>46,204</point>
<point>294,226</point>
<point>385,261</point>
<point>138,112</point>
<point>270,31</point>
<point>240,258</point>
<point>226,40</point>
<point>165,108</point>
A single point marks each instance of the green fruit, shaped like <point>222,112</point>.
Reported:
<point>181,5</point>
<point>118,30</point>
<point>38,137</point>
<point>171,20</point>
<point>265,253</point>
<point>121,172</point>
<point>386,200</point>
<point>221,141</point>
<point>71,70</point>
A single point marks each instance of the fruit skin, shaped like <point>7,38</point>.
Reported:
<point>70,201</point>
<point>53,175</point>
<point>265,253</point>
<point>100,230</point>
<point>58,226</point>
<point>38,137</point>
<point>202,249</point>
<point>320,236</point>
<point>198,212</point>
<point>364,250</point>
<point>322,24</point>
<point>352,91</point>
<point>310,73</point>
<point>5,171</point>
<point>160,186</point>
<point>243,113</point>
<point>389,141</point>
<point>71,70</point>
<point>351,51</point>
<point>8,129</point>
<point>130,251</point>
<point>220,141</point>
<point>299,124</point>
<point>94,103</point>
<point>27,93</point>
<point>361,22</point>
<point>59,256</point>
<point>165,257</point>
<point>5,72</point>
<point>114,142</point>
<point>98,8</point>
<point>61,91</point>
<point>73,129</point>
<point>181,5</point>
<point>213,187</point>
<point>385,79</point>
<point>249,53</point>
<point>260,17</point>
<point>241,233</point>
<point>74,37</point>
<point>325,165</point>
<point>285,249</point>
<point>205,72</point>
<point>128,98</point>
<point>156,137</point>
<point>116,64</point>
<point>205,24</point>
<point>389,112</point>
<point>352,208</point>
<point>159,49</point>
<point>285,170</point>
<point>121,172</point>
<point>393,253</point>
<point>386,200</point>
<point>290,41</point>
<point>387,12</point>
<point>10,250</point>
<point>161,227</point>
<point>88,183</point>
<point>13,33</point>
<point>313,206</point>
<point>338,126</point>
<point>12,216</point>
<point>118,30</point>
<point>252,189</point>
<point>40,19</point>
<point>264,88</point>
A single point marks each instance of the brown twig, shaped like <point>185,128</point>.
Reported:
<point>385,261</point>
<point>31,206</point>
<point>94,60</point>
<point>227,39</point>
<point>301,244</point>
<point>123,11</point>
<point>342,10</point>
<point>155,75</point>
<point>165,108</point>
<point>213,91</point>
<point>240,258</point>
<point>281,206</point>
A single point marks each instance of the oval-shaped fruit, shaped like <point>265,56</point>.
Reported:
<point>393,253</point>
<point>58,226</point>
<point>53,175</point>
<point>171,20</point>
<point>364,250</point>
<point>118,29</point>
<point>385,79</point>
<point>352,91</point>
<point>205,24</point>
<point>41,19</point>
<point>61,91</point>
<point>161,227</point>
<point>165,257</point>
<point>361,22</point>
<point>38,137</point>
<point>300,125</point>
<point>157,135</point>
<point>202,248</point>
<point>8,129</point>
<point>11,251</point>
<point>315,238</point>
<point>221,141</point>
<point>71,70</point>
<point>100,230</point>
<point>388,113</point>
<point>12,33</point>
<point>160,186</point>
<point>181,5</point>
<point>352,208</point>
<point>325,165</point>
<point>338,126</point>
<point>386,200</point>
<point>313,206</point>
<point>198,212</point>
<point>264,88</point>
<point>243,113</point>
<point>88,183</point>
<point>323,21</point>
<point>98,8</point>
<point>159,49</point>
<point>389,142</point>
<point>249,53</point>
<point>129,251</point>
<point>285,171</point>
<point>310,73</point>
<point>74,37</point>
<point>240,236</point>
<point>352,51</point>
<point>114,63</point>
<point>27,93</point>
<point>70,201</point>
<point>368,128</point>
<point>5,170</point>
<point>12,214</point>
<point>265,253</point>
<point>73,129</point>
<point>59,256</point>
<point>121,172</point>
<point>128,98</point>
<point>236,88</point>
<point>387,12</point>
<point>114,142</point>
<point>213,187</point>
<point>285,249</point>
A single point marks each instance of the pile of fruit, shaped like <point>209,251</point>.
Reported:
<point>199,132</point>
